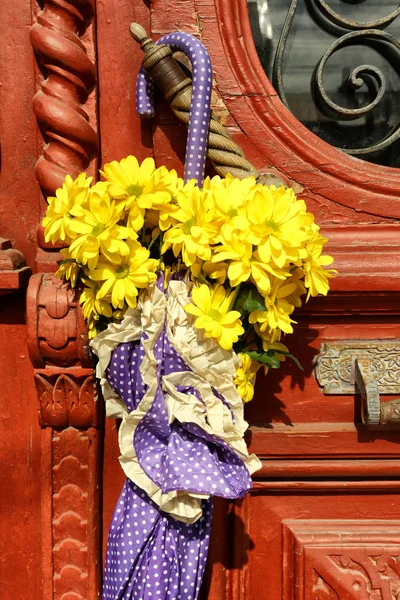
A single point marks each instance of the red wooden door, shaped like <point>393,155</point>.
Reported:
<point>322,519</point>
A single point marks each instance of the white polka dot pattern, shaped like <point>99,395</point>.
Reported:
<point>200,108</point>
<point>150,555</point>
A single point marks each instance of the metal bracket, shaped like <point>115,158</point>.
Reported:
<point>370,367</point>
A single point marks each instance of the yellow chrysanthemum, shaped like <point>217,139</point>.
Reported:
<point>140,186</point>
<point>97,230</point>
<point>278,225</point>
<point>230,196</point>
<point>195,229</point>
<point>245,377</point>
<point>92,305</point>
<point>211,307</point>
<point>121,282</point>
<point>244,263</point>
<point>201,271</point>
<point>216,271</point>
<point>58,216</point>
<point>93,330</point>
<point>69,269</point>
<point>269,336</point>
<point>119,314</point>
<point>316,277</point>
<point>279,305</point>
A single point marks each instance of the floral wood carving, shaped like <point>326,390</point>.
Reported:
<point>332,559</point>
<point>71,536</point>
<point>59,352</point>
<point>71,440</point>
<point>14,274</point>
<point>66,400</point>
<point>335,365</point>
<point>62,39</point>
<point>56,330</point>
<point>71,141</point>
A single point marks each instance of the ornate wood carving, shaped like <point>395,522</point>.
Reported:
<point>71,441</point>
<point>14,274</point>
<point>71,141</point>
<point>62,39</point>
<point>56,330</point>
<point>336,560</point>
<point>66,400</point>
<point>71,520</point>
<point>335,365</point>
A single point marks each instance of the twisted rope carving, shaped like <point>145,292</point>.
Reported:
<point>158,62</point>
<point>71,142</point>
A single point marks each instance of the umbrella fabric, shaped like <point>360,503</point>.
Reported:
<point>181,443</point>
<point>151,555</point>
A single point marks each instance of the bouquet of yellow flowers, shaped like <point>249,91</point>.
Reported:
<point>250,251</point>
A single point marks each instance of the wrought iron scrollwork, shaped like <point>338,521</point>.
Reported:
<point>349,33</point>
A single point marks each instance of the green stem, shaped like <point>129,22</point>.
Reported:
<point>153,240</point>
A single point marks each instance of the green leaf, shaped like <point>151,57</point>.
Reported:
<point>264,357</point>
<point>254,301</point>
<point>66,261</point>
<point>240,299</point>
<point>270,357</point>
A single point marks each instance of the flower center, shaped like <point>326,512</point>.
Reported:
<point>121,272</point>
<point>271,225</point>
<point>215,314</point>
<point>187,226</point>
<point>134,190</point>
<point>232,212</point>
<point>98,229</point>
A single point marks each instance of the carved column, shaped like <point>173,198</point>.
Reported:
<point>65,107</point>
<point>71,441</point>
<point>71,141</point>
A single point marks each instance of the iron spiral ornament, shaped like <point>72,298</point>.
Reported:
<point>348,33</point>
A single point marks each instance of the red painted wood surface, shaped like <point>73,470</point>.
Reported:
<point>323,474</point>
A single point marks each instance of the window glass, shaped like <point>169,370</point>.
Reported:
<point>336,66</point>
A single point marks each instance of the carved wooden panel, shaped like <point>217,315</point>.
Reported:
<point>75,531</point>
<point>319,462</point>
<point>71,441</point>
<point>335,365</point>
<point>329,560</point>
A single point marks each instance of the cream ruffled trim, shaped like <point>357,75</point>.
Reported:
<point>212,367</point>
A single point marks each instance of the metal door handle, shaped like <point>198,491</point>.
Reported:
<point>375,414</point>
<point>369,367</point>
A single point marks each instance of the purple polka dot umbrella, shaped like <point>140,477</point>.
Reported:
<point>200,108</point>
<point>174,448</point>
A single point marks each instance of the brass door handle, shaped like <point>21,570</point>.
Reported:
<point>368,367</point>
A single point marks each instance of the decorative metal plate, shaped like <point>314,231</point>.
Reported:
<point>334,367</point>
